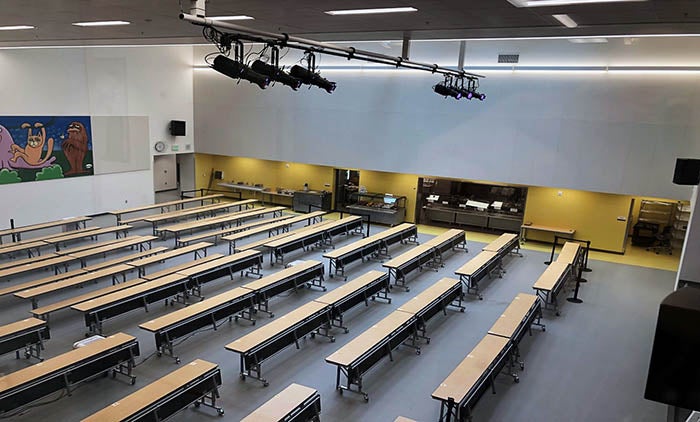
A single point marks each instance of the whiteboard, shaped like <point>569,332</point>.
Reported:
<point>120,144</point>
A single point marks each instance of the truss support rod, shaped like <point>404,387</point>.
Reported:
<point>350,52</point>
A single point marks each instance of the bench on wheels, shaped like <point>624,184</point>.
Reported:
<point>316,236</point>
<point>259,244</point>
<point>517,319</point>
<point>198,249</point>
<point>165,206</point>
<point>28,334</point>
<point>31,248</point>
<point>375,246</point>
<point>172,288</point>
<point>295,403</point>
<point>17,232</point>
<point>196,383</point>
<point>120,231</point>
<point>483,264</point>
<point>143,243</point>
<point>462,389</point>
<point>210,210</point>
<point>256,347</point>
<point>302,274</point>
<point>56,262</point>
<point>404,326</point>
<point>224,221</point>
<point>507,243</point>
<point>63,372</point>
<point>35,293</point>
<point>220,233</point>
<point>371,285</point>
<point>550,283</point>
<point>429,254</point>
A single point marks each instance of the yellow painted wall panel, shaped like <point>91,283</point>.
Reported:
<point>395,184</point>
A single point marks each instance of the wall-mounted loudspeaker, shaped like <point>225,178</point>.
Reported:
<point>687,171</point>
<point>177,128</point>
<point>674,373</point>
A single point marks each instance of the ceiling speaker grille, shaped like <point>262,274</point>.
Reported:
<point>508,58</point>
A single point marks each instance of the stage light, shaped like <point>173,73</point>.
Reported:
<point>276,74</point>
<point>238,70</point>
<point>479,96</point>
<point>312,78</point>
<point>447,91</point>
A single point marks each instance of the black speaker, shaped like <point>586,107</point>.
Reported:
<point>177,128</point>
<point>687,171</point>
<point>674,373</point>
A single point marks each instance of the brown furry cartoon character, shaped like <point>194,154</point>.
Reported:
<point>35,146</point>
<point>75,147</point>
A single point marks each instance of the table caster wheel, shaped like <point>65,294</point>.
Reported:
<point>340,391</point>
<point>418,352</point>
<point>332,339</point>
<point>220,411</point>
<point>427,341</point>
<point>522,366</point>
<point>517,380</point>
<point>389,301</point>
<point>544,329</point>
<point>236,319</point>
<point>265,384</point>
<point>253,322</point>
<point>461,310</point>
<point>558,313</point>
<point>347,331</point>
<point>366,397</point>
<point>481,298</point>
<point>177,361</point>
<point>373,298</point>
<point>242,377</point>
<point>197,404</point>
<point>133,381</point>
<point>159,354</point>
<point>272,315</point>
<point>114,373</point>
<point>313,335</point>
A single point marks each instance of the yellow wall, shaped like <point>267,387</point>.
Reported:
<point>271,174</point>
<point>393,183</point>
<point>593,215</point>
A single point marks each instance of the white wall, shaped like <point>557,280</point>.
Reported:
<point>111,81</point>
<point>608,132</point>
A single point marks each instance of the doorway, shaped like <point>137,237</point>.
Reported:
<point>346,182</point>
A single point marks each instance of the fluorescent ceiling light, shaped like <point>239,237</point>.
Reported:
<point>102,23</point>
<point>588,40</point>
<point>544,3</point>
<point>231,18</point>
<point>371,11</point>
<point>15,27</point>
<point>566,20</point>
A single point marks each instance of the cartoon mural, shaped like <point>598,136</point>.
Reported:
<point>41,148</point>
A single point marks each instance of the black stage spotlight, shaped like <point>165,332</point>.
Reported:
<point>447,91</point>
<point>479,96</point>
<point>276,74</point>
<point>312,78</point>
<point>237,70</point>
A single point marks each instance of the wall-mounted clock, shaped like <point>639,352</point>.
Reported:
<point>160,146</point>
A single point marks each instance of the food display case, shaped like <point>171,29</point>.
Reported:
<point>382,208</point>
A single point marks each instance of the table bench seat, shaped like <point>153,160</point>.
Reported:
<point>28,334</point>
<point>295,403</point>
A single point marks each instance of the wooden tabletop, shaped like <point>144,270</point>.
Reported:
<point>507,324</point>
<point>315,228</point>
<point>336,253</point>
<point>180,267</point>
<point>569,252</point>
<point>94,245</point>
<point>10,248</point>
<point>22,325</point>
<point>476,263</point>
<point>73,281</point>
<point>49,224</point>
<point>34,283</point>
<point>500,242</point>
<point>126,258</point>
<point>193,211</point>
<point>130,241</point>
<point>141,399</point>
<point>424,298</point>
<point>408,256</point>
<point>37,265</point>
<point>170,254</point>
<point>551,275</point>
<point>18,378</point>
<point>344,290</point>
<point>403,419</point>
<point>210,265</point>
<point>553,229</point>
<point>197,308</point>
<point>48,236</point>
<point>124,294</point>
<point>87,296</point>
<point>437,240</point>
<point>96,232</point>
<point>26,261</point>
<point>263,242</point>
<point>281,405</point>
<point>274,327</point>
<point>219,219</point>
<point>165,204</point>
<point>468,372</point>
<point>349,353</point>
<point>280,275</point>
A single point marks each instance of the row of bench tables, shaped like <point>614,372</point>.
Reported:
<point>565,268</point>
<point>488,262</point>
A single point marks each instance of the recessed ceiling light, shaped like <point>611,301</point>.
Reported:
<point>371,11</point>
<point>544,3</point>
<point>102,23</point>
<point>566,20</point>
<point>588,40</point>
<point>15,27</point>
<point>231,18</point>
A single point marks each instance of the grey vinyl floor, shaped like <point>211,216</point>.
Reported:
<point>589,365</point>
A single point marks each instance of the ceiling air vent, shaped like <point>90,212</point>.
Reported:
<point>508,58</point>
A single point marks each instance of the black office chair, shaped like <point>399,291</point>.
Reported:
<point>662,243</point>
